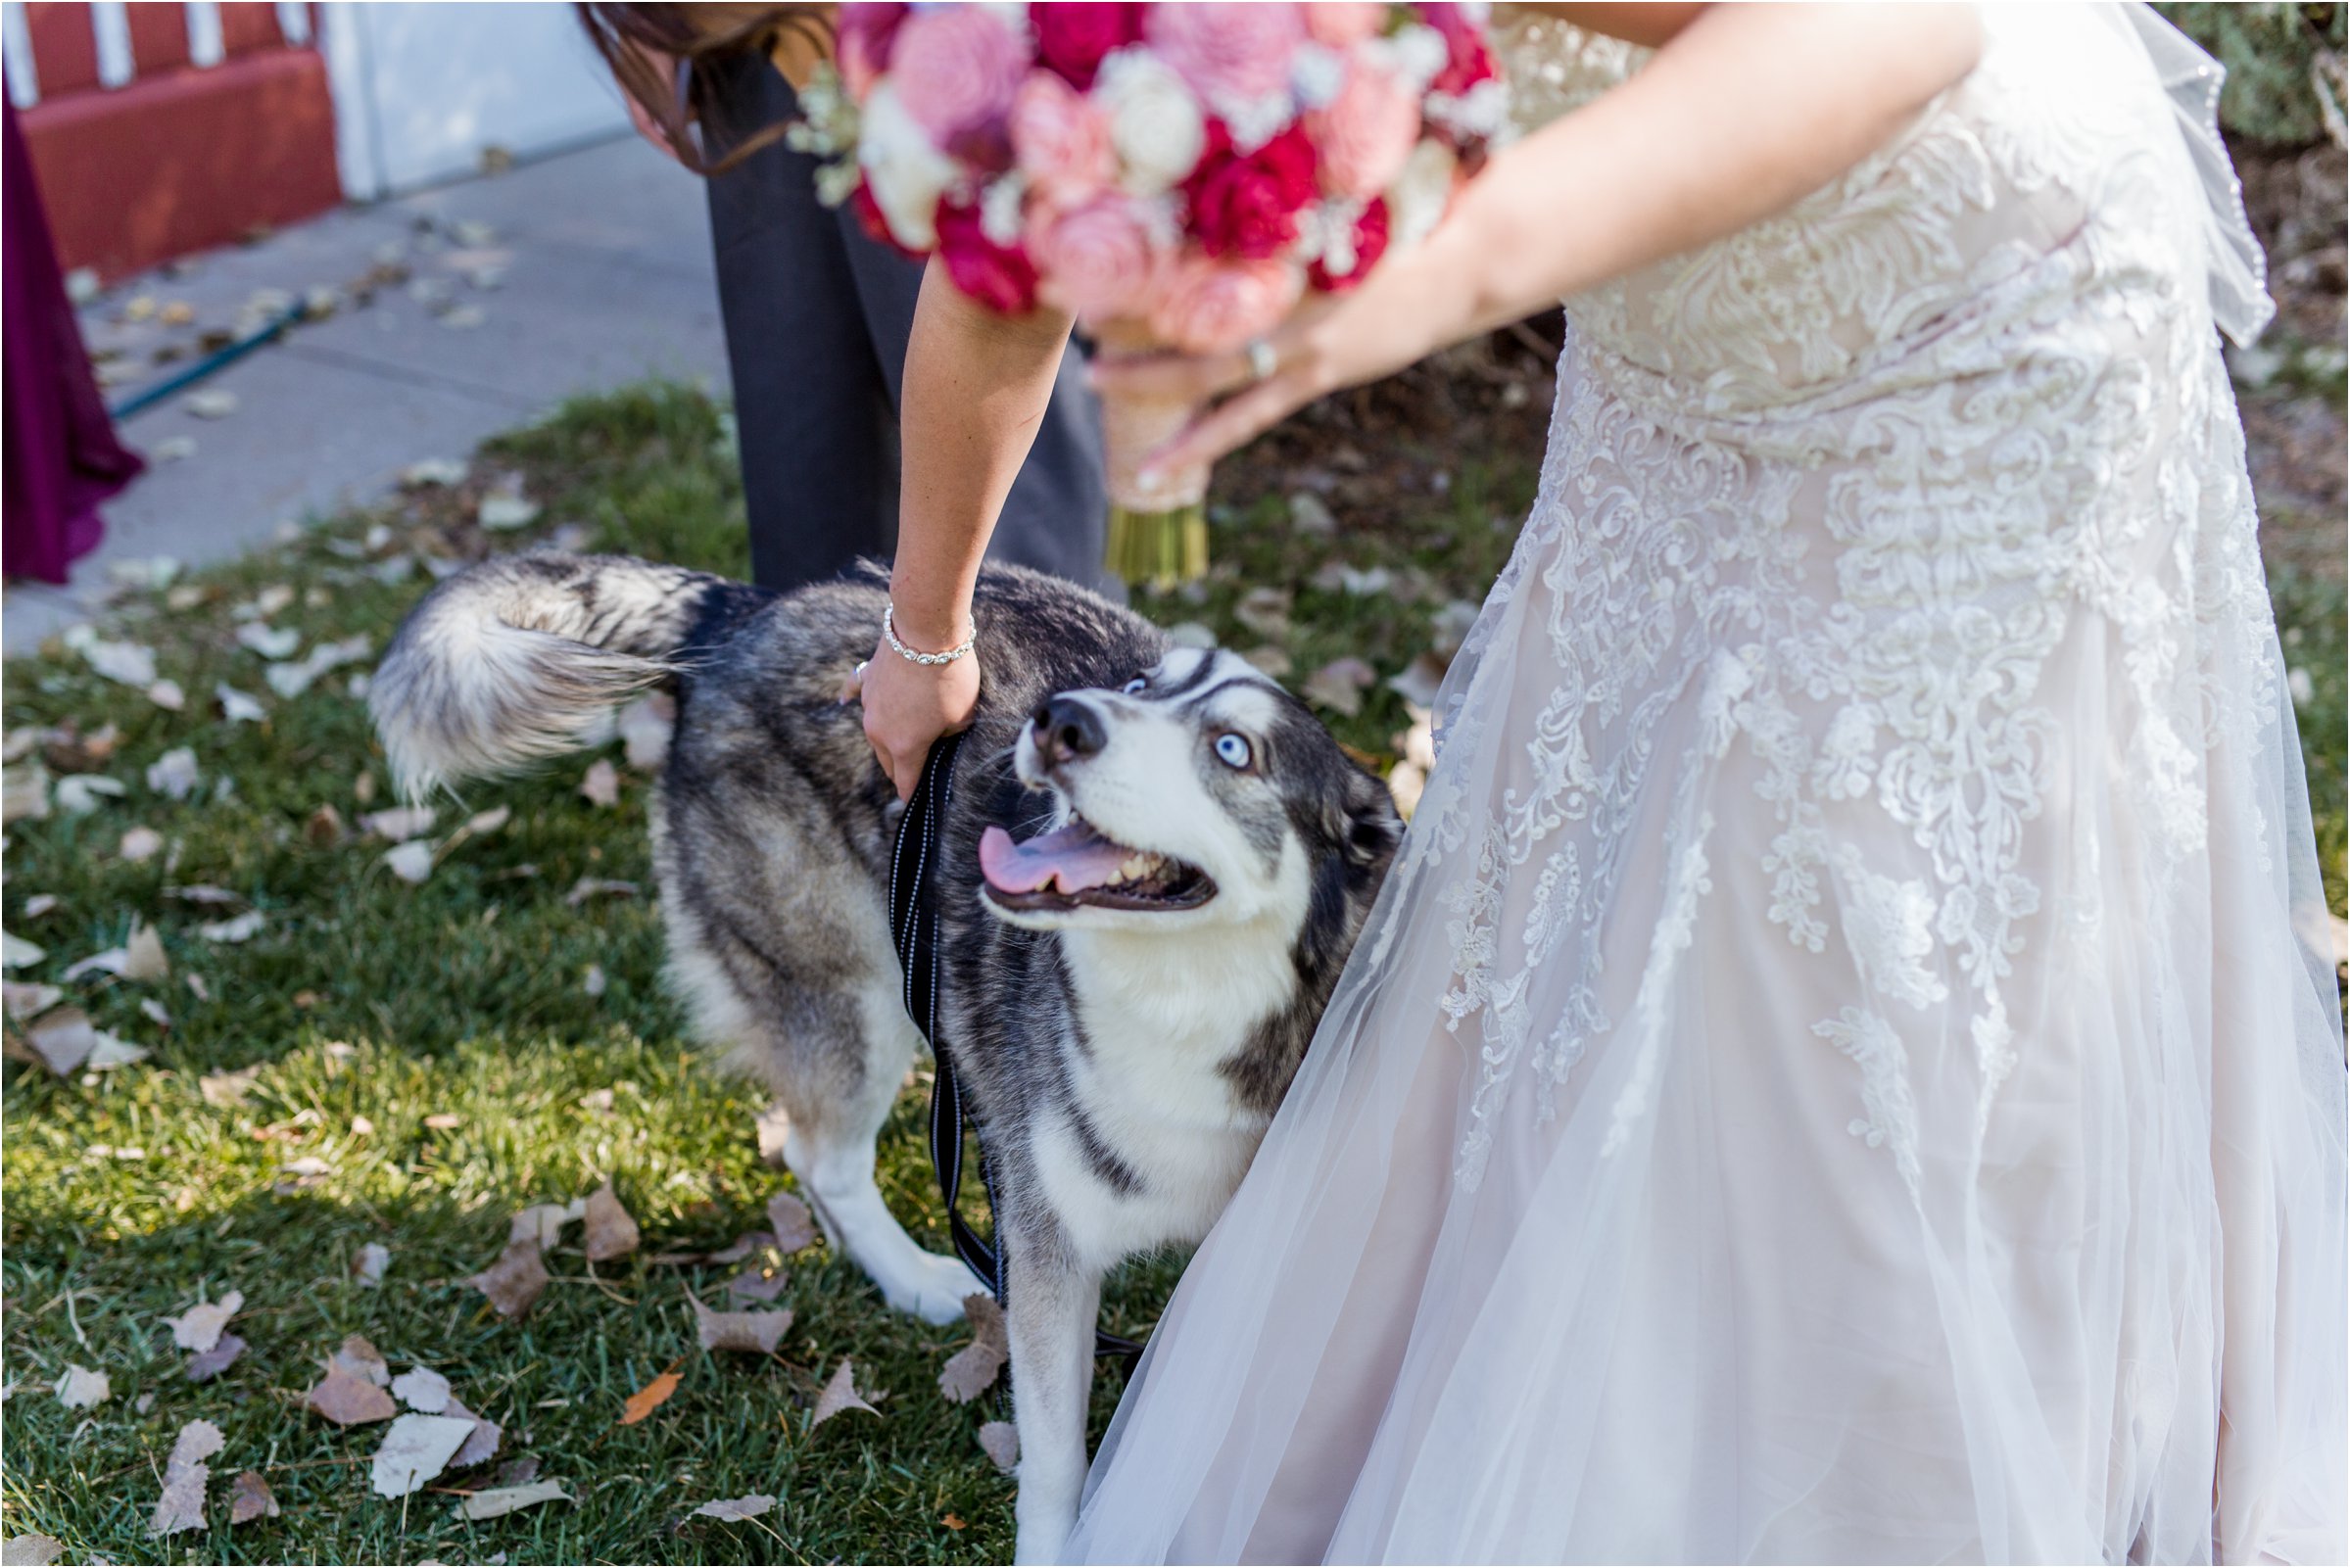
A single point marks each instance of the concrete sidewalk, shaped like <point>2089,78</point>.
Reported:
<point>571,274</point>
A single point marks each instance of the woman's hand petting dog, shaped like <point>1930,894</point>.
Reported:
<point>909,705</point>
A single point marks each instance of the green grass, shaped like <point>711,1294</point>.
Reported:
<point>463,998</point>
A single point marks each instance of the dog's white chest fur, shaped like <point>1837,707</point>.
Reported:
<point>1161,1018</point>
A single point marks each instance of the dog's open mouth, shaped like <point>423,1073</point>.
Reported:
<point>1076,866</point>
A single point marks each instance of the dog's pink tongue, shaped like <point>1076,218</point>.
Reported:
<point>1075,857</point>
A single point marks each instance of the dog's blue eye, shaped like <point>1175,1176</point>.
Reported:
<point>1232,750</point>
<point>1136,684</point>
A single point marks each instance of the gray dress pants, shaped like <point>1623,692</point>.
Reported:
<point>817,316</point>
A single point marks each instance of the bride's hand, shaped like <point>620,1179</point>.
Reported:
<point>1328,342</point>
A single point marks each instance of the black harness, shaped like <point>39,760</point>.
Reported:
<point>914,930</point>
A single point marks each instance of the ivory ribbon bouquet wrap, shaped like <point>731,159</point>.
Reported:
<point>1177,176</point>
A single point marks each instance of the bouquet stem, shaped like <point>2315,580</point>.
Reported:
<point>1158,533</point>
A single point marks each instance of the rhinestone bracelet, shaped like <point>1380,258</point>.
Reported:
<point>959,650</point>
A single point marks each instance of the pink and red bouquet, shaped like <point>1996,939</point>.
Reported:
<point>1176,175</point>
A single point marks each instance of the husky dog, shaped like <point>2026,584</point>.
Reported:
<point>1154,867</point>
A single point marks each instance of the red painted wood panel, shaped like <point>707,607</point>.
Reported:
<point>250,25</point>
<point>186,161</point>
<point>159,37</point>
<point>64,52</point>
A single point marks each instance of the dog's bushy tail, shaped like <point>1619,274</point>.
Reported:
<point>523,657</point>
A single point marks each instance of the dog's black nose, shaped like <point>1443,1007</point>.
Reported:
<point>1067,727</point>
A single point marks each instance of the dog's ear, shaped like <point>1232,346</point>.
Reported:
<point>1371,828</point>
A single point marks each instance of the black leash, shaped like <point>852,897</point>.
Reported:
<point>914,931</point>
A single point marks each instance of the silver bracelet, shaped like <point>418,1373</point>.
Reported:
<point>959,650</point>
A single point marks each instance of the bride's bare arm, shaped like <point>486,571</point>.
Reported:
<point>1745,110</point>
<point>976,388</point>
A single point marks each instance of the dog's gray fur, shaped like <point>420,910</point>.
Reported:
<point>1123,1064</point>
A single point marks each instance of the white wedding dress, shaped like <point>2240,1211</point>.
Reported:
<point>1840,1069</point>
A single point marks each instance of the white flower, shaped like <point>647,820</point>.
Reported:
<point>1154,122</point>
<point>1417,53</point>
<point>1000,209</point>
<point>1416,201</point>
<point>907,172</point>
<point>1482,112</point>
<point>1317,74</point>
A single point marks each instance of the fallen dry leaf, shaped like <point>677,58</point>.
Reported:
<point>185,1475</point>
<point>126,663</point>
<point>144,956</point>
<point>443,1121</point>
<point>514,1282</point>
<point>411,862</point>
<point>113,1051</point>
<point>81,793</point>
<point>347,1398</point>
<point>62,1039</point>
<point>28,999</point>
<point>970,1370</point>
<point>1420,683</point>
<point>399,823</point>
<point>239,707</point>
<point>794,1226</point>
<point>1000,1441</point>
<point>269,642</point>
<point>368,1269</point>
<point>754,1333</point>
<point>167,695</point>
<point>840,1395</point>
<point>199,1327</point>
<point>81,1388</point>
<point>651,1398</point>
<point>588,888</point>
<point>205,1365</point>
<point>18,953</point>
<point>754,1285</point>
<point>416,1449</point>
<point>1339,685</point>
<point>140,844</point>
<point>734,1508</point>
<point>542,1223</point>
<point>30,1552</point>
<point>497,1502</point>
<point>482,1445</point>
<point>610,1232</point>
<point>505,510</point>
<point>227,1088</point>
<point>174,773</point>
<point>422,1389</point>
<point>593,982</point>
<point>39,904</point>
<point>250,1499</point>
<point>601,785</point>
<point>358,1357</point>
<point>24,793</point>
<point>242,929</point>
<point>1265,611</point>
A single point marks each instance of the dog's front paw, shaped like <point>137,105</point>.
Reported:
<point>933,1289</point>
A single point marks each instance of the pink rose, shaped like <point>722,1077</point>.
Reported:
<point>1000,277</point>
<point>956,68</point>
<point>1097,261</point>
<point>1343,22</point>
<point>1366,133</point>
<point>1211,306</point>
<point>866,32</point>
<point>1061,141</point>
<point>1229,54</point>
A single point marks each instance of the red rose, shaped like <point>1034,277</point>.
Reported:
<point>1248,206</point>
<point>1370,243</point>
<point>1071,38</point>
<point>865,32</point>
<point>1468,60</point>
<point>999,277</point>
<point>871,219</point>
